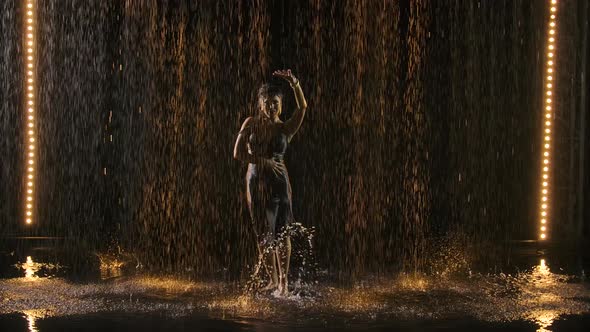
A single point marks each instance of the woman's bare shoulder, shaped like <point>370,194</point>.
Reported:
<point>248,123</point>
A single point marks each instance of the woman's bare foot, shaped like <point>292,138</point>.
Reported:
<point>283,288</point>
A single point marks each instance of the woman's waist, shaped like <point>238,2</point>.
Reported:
<point>267,171</point>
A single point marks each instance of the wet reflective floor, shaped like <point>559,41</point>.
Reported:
<point>45,287</point>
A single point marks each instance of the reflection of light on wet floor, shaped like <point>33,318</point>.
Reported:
<point>110,268</point>
<point>536,295</point>
<point>545,320</point>
<point>543,275</point>
<point>31,320</point>
<point>30,269</point>
<point>32,316</point>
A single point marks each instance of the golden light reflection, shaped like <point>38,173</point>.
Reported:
<point>30,102</point>
<point>31,320</point>
<point>551,39</point>
<point>30,268</point>
<point>110,266</point>
<point>544,318</point>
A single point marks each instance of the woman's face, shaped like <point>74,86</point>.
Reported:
<point>271,107</point>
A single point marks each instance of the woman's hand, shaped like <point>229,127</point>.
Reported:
<point>277,166</point>
<point>287,75</point>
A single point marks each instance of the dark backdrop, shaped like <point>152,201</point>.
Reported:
<point>423,125</point>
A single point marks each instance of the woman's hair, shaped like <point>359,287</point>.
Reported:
<point>268,91</point>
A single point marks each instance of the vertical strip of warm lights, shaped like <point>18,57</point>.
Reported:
<point>30,77</point>
<point>549,109</point>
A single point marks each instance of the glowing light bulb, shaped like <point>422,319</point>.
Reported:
<point>549,70</point>
<point>545,176</point>
<point>551,47</point>
<point>547,138</point>
<point>547,123</point>
<point>544,206</point>
<point>546,169</point>
<point>549,78</point>
<point>29,221</point>
<point>548,100</point>
<point>545,184</point>
<point>546,147</point>
<point>548,131</point>
<point>544,213</point>
<point>544,199</point>
<point>549,85</point>
<point>543,228</point>
<point>543,221</point>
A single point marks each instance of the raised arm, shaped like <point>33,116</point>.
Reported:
<point>292,125</point>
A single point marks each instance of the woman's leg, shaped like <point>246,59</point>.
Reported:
<point>284,253</point>
<point>272,260</point>
<point>284,217</point>
<point>259,217</point>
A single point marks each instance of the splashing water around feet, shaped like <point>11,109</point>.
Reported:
<point>303,265</point>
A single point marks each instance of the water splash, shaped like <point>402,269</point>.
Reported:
<point>302,266</point>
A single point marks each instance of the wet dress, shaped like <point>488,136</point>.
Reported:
<point>269,193</point>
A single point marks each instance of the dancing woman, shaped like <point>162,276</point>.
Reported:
<point>262,143</point>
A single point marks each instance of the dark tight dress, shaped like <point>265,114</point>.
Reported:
<point>269,194</point>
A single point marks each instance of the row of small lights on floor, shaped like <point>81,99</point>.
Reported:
<point>548,116</point>
<point>30,106</point>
